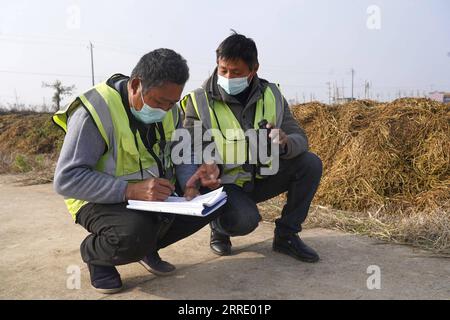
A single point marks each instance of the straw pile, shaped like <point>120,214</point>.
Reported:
<point>29,145</point>
<point>391,159</point>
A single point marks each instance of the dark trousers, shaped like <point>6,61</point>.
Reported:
<point>120,236</point>
<point>299,176</point>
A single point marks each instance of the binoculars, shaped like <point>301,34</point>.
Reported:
<point>262,125</point>
<point>256,169</point>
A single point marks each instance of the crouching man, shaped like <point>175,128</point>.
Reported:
<point>234,97</point>
<point>117,148</point>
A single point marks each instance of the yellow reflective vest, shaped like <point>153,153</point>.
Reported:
<point>227,133</point>
<point>126,157</point>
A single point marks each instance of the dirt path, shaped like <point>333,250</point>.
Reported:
<point>39,245</point>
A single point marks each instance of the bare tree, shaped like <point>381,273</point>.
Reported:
<point>60,92</point>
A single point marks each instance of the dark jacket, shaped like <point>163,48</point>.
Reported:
<point>245,113</point>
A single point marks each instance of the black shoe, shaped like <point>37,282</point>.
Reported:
<point>292,245</point>
<point>105,280</point>
<point>154,264</point>
<point>220,243</point>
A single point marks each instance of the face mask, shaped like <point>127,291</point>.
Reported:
<point>233,86</point>
<point>148,114</point>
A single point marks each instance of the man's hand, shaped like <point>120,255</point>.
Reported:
<point>206,176</point>
<point>278,136</point>
<point>155,189</point>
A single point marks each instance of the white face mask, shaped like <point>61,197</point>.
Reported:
<point>233,86</point>
<point>148,114</point>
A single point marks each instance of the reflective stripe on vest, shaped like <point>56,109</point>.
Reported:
<point>121,158</point>
<point>220,117</point>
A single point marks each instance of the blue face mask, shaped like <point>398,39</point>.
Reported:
<point>148,114</point>
<point>233,86</point>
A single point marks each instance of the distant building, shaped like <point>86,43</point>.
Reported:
<point>443,97</point>
<point>343,100</point>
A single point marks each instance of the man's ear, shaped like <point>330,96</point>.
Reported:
<point>135,84</point>
<point>255,70</point>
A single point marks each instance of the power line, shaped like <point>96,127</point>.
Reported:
<point>48,74</point>
<point>68,42</point>
<point>39,42</point>
<point>99,46</point>
<point>81,41</point>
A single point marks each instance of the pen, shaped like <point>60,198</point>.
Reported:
<point>154,176</point>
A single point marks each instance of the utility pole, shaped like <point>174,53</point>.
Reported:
<point>365,89</point>
<point>336,92</point>
<point>353,78</point>
<point>329,92</point>
<point>367,86</point>
<point>17,98</point>
<point>92,62</point>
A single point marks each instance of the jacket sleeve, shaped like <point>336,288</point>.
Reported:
<point>184,171</point>
<point>75,176</point>
<point>298,141</point>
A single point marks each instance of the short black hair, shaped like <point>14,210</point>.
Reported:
<point>238,46</point>
<point>159,67</point>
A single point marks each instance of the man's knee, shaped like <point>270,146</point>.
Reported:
<point>136,239</point>
<point>247,226</point>
<point>241,225</point>
<point>311,164</point>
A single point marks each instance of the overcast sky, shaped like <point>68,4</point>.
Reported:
<point>396,44</point>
